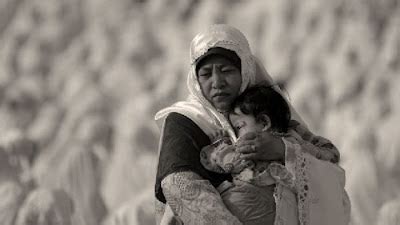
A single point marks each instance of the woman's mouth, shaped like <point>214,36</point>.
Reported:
<point>220,94</point>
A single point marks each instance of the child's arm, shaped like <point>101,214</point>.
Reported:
<point>212,156</point>
<point>208,159</point>
<point>221,156</point>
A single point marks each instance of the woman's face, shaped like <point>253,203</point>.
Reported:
<point>220,81</point>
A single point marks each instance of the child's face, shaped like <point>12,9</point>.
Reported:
<point>243,123</point>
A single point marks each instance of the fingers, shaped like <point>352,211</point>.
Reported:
<point>319,141</point>
<point>245,149</point>
<point>250,156</point>
<point>229,148</point>
<point>243,143</point>
<point>248,152</point>
<point>248,136</point>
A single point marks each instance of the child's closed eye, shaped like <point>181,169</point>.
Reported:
<point>239,126</point>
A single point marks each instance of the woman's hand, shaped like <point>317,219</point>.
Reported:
<point>261,146</point>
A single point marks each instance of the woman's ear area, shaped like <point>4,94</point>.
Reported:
<point>265,121</point>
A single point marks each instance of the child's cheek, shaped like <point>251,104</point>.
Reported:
<point>243,131</point>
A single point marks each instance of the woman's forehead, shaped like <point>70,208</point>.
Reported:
<point>218,35</point>
<point>215,60</point>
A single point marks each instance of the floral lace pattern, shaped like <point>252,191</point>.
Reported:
<point>302,188</point>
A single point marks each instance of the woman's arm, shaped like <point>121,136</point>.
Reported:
<point>182,182</point>
<point>195,201</point>
<point>317,146</point>
<point>262,146</point>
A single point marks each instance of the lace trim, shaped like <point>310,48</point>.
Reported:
<point>281,175</point>
<point>302,186</point>
<point>278,196</point>
<point>297,164</point>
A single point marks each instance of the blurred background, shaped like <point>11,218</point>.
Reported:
<point>81,80</point>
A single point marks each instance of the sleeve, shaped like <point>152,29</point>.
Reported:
<point>195,201</point>
<point>179,150</point>
<point>317,146</point>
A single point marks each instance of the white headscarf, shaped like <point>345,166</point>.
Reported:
<point>197,107</point>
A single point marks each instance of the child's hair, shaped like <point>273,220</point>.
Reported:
<point>265,100</point>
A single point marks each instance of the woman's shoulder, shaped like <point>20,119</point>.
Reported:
<point>177,117</point>
<point>180,123</point>
<point>180,127</point>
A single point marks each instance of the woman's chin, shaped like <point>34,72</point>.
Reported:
<point>222,107</point>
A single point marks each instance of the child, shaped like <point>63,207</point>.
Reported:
<point>250,196</point>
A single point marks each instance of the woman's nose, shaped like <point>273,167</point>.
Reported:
<point>218,79</point>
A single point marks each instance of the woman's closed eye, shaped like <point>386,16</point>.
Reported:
<point>204,73</point>
<point>226,69</point>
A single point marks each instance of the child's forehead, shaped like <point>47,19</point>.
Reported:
<point>236,111</point>
<point>235,114</point>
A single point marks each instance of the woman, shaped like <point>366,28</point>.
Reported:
<point>189,188</point>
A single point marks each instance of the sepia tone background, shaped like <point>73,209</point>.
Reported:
<point>81,80</point>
